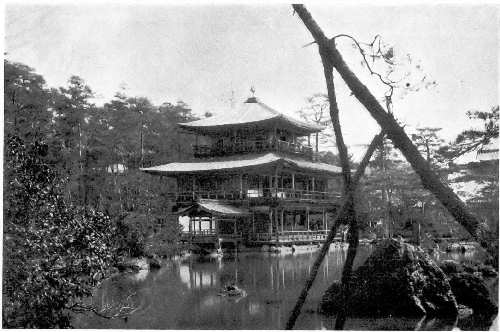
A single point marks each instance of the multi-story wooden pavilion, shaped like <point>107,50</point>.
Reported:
<point>255,179</point>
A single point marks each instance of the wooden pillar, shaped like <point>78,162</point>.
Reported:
<point>199,223</point>
<point>190,224</point>
<point>234,223</point>
<point>324,219</point>
<point>312,184</point>
<point>261,185</point>
<point>309,139</point>
<point>293,181</point>
<point>276,178</point>
<point>241,185</point>
<point>275,139</point>
<point>317,141</point>
<point>270,221</point>
<point>307,218</point>
<point>194,187</point>
<point>276,223</point>
<point>253,222</point>
<point>282,217</point>
<point>211,223</point>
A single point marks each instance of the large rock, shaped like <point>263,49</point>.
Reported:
<point>132,264</point>
<point>397,279</point>
<point>154,262</point>
<point>471,291</point>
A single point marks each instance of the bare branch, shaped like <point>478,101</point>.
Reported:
<point>396,133</point>
<point>388,83</point>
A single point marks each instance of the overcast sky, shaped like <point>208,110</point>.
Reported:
<point>200,54</point>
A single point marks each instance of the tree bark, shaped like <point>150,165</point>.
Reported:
<point>349,190</point>
<point>334,115</point>
<point>398,136</point>
<point>341,215</point>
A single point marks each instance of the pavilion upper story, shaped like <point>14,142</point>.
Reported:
<point>252,154</point>
<point>252,127</point>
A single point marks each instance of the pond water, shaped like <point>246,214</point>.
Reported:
<point>184,294</point>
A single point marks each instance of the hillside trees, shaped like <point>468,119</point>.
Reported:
<point>332,59</point>
<point>72,109</point>
<point>396,133</point>
<point>70,178</point>
<point>317,111</point>
<point>428,143</point>
<point>27,112</point>
<point>474,178</point>
<point>474,138</point>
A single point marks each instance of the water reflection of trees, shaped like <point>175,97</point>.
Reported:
<point>261,273</point>
<point>184,295</point>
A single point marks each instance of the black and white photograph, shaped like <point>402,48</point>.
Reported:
<point>218,165</point>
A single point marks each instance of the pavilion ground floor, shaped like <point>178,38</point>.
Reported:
<point>211,224</point>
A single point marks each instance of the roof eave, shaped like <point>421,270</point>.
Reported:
<point>299,128</point>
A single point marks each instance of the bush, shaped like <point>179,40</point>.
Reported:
<point>141,235</point>
<point>54,254</point>
<point>132,231</point>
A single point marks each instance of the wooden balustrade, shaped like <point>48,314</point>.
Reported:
<point>252,146</point>
<point>210,233</point>
<point>291,236</point>
<point>253,194</point>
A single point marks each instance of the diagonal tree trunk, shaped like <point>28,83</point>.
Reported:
<point>349,189</point>
<point>340,217</point>
<point>398,136</point>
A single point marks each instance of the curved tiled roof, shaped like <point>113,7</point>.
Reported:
<point>214,206</point>
<point>251,111</point>
<point>234,163</point>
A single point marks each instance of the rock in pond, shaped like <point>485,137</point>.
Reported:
<point>397,279</point>
<point>471,291</point>
<point>154,262</point>
<point>132,264</point>
<point>449,266</point>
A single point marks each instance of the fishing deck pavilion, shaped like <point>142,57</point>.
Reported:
<point>254,180</point>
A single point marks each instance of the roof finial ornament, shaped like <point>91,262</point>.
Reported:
<point>252,99</point>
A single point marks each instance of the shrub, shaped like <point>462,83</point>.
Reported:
<point>54,253</point>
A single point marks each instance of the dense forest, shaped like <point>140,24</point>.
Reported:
<point>75,200</point>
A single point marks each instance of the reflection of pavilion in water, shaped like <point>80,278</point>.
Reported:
<point>197,279</point>
<point>273,273</point>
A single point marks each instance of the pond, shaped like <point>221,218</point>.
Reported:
<point>185,294</point>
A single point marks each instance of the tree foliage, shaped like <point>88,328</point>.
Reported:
<point>71,177</point>
<point>474,139</point>
<point>54,253</point>
<point>26,102</point>
<point>317,110</point>
<point>428,143</point>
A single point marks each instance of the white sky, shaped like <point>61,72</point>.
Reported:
<point>199,54</point>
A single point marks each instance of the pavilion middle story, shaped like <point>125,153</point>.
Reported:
<point>263,195</point>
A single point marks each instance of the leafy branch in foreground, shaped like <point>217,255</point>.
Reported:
<point>54,254</point>
<point>473,139</point>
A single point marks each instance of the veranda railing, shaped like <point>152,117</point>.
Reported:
<point>249,194</point>
<point>252,146</point>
